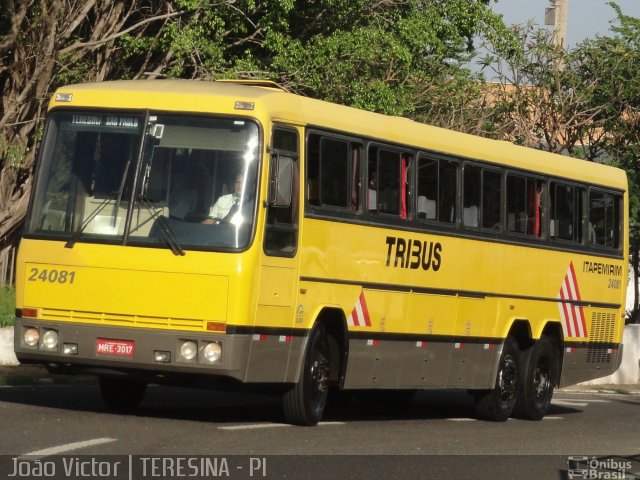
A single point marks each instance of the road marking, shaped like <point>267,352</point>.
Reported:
<point>65,448</point>
<point>569,403</point>
<point>254,426</point>
<point>552,418</point>
<point>257,426</point>
<point>593,400</point>
<point>575,403</point>
<point>462,419</point>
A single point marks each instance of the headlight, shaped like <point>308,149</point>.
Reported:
<point>189,350</point>
<point>50,339</point>
<point>212,352</point>
<point>32,337</point>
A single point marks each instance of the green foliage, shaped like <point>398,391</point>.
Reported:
<point>383,59</point>
<point>372,55</point>
<point>7,306</point>
<point>12,156</point>
<point>612,64</point>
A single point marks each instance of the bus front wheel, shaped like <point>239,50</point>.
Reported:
<point>304,403</point>
<point>122,394</point>
<point>498,404</point>
<point>537,380</point>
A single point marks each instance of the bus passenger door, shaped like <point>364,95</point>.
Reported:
<point>275,313</point>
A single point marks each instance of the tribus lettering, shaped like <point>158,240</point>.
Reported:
<point>413,254</point>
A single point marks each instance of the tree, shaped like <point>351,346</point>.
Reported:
<point>612,63</point>
<point>584,102</point>
<point>45,43</point>
<point>401,57</point>
<point>540,100</point>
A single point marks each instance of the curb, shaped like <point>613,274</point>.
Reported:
<point>7,357</point>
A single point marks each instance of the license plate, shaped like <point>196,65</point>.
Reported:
<point>122,348</point>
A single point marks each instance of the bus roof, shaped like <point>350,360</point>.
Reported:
<point>272,102</point>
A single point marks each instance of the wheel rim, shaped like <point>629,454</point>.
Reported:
<point>319,379</point>
<point>508,380</point>
<point>542,383</point>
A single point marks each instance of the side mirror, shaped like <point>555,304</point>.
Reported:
<point>280,181</point>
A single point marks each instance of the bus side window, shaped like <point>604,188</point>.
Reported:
<point>448,191</point>
<point>281,232</point>
<point>333,172</point>
<point>313,170</point>
<point>389,182</point>
<point>427,188</point>
<point>482,198</point>
<point>437,189</point>
<point>356,160</point>
<point>372,181</point>
<point>491,199</point>
<point>535,199</point>
<point>604,219</point>
<point>566,212</point>
<point>471,199</point>
<point>524,205</point>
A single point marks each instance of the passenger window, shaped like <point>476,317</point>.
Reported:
<point>482,197</point>
<point>491,199</point>
<point>566,212</point>
<point>333,172</point>
<point>471,200</point>
<point>387,190</point>
<point>437,190</point>
<point>389,182</point>
<point>524,205</point>
<point>604,219</point>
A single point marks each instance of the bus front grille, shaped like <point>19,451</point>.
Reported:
<point>105,318</point>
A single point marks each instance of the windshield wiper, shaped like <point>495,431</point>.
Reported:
<point>165,228</point>
<point>76,235</point>
<point>123,180</point>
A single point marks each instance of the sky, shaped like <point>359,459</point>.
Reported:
<point>587,18</point>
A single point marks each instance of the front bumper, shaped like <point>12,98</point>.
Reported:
<point>146,342</point>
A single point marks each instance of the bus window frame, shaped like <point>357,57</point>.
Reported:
<point>618,208</point>
<point>402,152</point>
<point>555,240</point>
<point>544,199</point>
<point>353,144</point>
<point>491,232</point>
<point>426,155</point>
<point>295,198</point>
<point>457,229</point>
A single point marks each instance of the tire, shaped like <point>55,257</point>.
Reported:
<point>498,404</point>
<point>538,378</point>
<point>304,404</point>
<point>122,394</point>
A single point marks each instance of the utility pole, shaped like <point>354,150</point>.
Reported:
<point>556,14</point>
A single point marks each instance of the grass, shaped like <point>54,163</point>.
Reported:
<point>7,306</point>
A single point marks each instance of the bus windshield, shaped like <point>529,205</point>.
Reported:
<point>105,177</point>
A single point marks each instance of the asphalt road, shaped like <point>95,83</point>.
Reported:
<point>434,435</point>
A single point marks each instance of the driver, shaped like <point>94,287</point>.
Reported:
<point>227,205</point>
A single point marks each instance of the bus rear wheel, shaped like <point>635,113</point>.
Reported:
<point>498,404</point>
<point>304,404</point>
<point>537,380</point>
<point>122,394</point>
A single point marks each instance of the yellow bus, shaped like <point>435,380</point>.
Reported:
<point>234,235</point>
